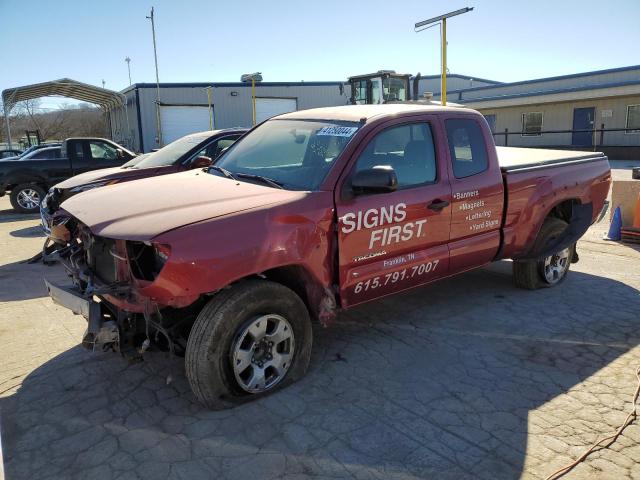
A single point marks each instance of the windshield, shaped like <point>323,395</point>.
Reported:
<point>169,154</point>
<point>296,154</point>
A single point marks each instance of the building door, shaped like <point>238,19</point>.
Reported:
<point>491,120</point>
<point>270,107</point>
<point>180,120</point>
<point>583,119</point>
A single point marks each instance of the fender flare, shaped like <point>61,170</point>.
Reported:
<point>579,223</point>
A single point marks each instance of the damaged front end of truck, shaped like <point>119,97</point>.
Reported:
<point>109,278</point>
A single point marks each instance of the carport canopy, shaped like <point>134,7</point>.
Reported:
<point>65,87</point>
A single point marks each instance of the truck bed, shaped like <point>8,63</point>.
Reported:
<point>519,159</point>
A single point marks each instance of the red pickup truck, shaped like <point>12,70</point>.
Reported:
<point>312,212</point>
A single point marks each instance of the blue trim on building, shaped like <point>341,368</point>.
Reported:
<point>139,120</point>
<point>549,79</point>
<point>231,84</point>
<point>542,92</point>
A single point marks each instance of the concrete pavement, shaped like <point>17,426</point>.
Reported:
<point>466,378</point>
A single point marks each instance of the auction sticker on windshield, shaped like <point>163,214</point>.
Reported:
<point>337,131</point>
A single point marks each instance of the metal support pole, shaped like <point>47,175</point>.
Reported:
<point>253,99</point>
<point>211,122</point>
<point>6,121</point>
<point>441,20</point>
<point>155,55</point>
<point>506,137</point>
<point>443,77</point>
<point>602,134</point>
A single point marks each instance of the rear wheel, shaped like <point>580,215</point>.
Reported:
<point>550,271</point>
<point>26,198</point>
<point>247,342</point>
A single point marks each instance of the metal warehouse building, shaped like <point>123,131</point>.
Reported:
<point>184,107</point>
<point>591,110</point>
<point>599,109</point>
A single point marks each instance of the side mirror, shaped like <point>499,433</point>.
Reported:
<point>378,179</point>
<point>119,153</point>
<point>201,162</point>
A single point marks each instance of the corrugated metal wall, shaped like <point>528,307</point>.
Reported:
<point>124,124</point>
<point>232,105</point>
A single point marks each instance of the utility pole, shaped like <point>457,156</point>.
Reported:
<point>443,22</point>
<point>155,55</point>
<point>128,60</point>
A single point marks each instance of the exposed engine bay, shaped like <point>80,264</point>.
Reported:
<point>107,276</point>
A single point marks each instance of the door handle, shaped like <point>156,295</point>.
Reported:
<point>437,205</point>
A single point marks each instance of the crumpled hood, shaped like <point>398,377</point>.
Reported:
<point>145,208</point>
<point>104,174</point>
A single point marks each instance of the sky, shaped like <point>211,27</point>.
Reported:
<point>213,41</point>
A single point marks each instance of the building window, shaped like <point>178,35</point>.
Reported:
<point>633,119</point>
<point>532,124</point>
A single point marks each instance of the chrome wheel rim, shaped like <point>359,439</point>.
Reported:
<point>556,266</point>
<point>262,353</point>
<point>28,198</point>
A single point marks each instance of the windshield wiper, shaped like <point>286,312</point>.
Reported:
<point>223,171</point>
<point>267,180</point>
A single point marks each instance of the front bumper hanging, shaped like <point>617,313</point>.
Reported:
<point>99,331</point>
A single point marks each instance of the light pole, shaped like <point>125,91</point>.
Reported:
<point>211,122</point>
<point>442,18</point>
<point>103,83</point>
<point>128,60</point>
<point>253,78</point>
<point>155,55</point>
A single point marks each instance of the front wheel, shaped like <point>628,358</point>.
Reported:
<point>247,342</point>
<point>26,198</point>
<point>550,271</point>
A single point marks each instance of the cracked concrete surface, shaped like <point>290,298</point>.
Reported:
<point>466,378</point>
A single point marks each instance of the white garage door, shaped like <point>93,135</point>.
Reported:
<point>269,107</point>
<point>180,121</point>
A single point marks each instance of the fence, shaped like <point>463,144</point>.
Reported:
<point>597,136</point>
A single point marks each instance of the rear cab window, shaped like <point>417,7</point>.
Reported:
<point>467,147</point>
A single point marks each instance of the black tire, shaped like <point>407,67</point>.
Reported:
<point>529,274</point>
<point>18,204</point>
<point>216,329</point>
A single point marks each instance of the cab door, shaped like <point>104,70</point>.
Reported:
<point>388,242</point>
<point>477,193</point>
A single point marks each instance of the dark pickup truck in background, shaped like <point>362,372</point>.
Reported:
<point>28,178</point>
